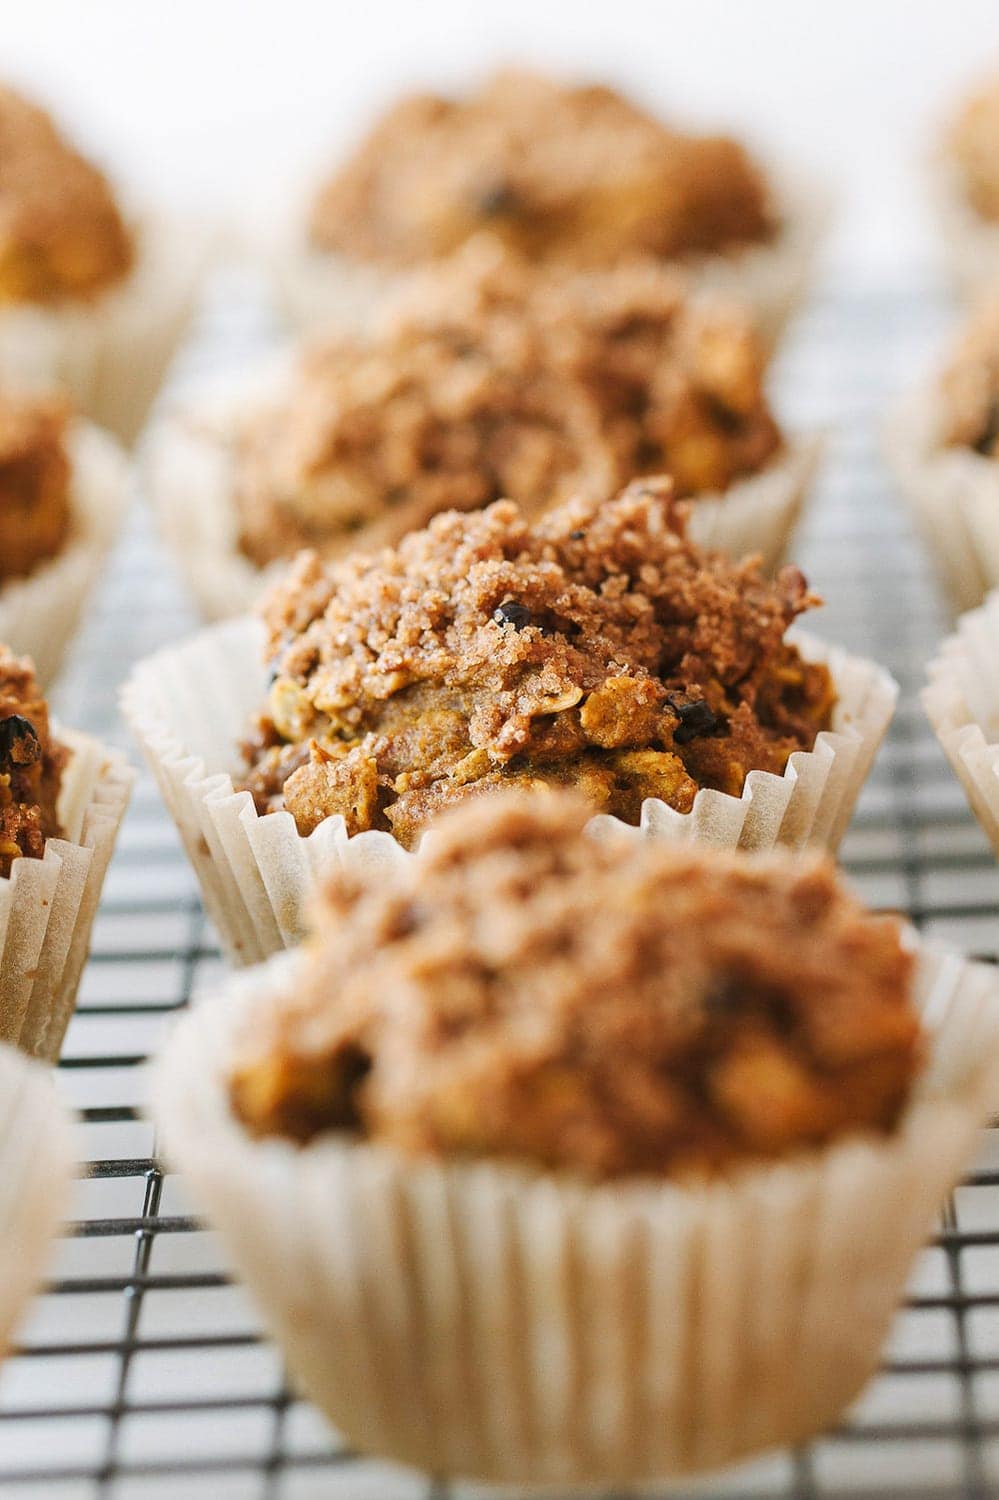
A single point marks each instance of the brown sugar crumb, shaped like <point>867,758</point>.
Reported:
<point>490,380</point>
<point>61,233</point>
<point>620,1006</point>
<point>31,764</point>
<point>598,648</point>
<point>969,385</point>
<point>973,148</point>
<point>575,174</point>
<point>35,477</point>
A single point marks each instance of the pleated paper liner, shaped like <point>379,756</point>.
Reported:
<point>189,707</point>
<point>111,354</point>
<point>188,472</point>
<point>320,290</point>
<point>48,905</point>
<point>39,614</point>
<point>496,1323</point>
<point>962,703</point>
<point>969,244</point>
<point>953,494</point>
<point>36,1161</point>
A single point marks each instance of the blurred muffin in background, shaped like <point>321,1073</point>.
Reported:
<point>63,492</point>
<point>965,183</point>
<point>574,175</point>
<point>943,441</point>
<point>484,379</point>
<point>89,296</point>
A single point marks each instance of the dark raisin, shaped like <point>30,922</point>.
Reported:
<point>576,536</point>
<point>19,744</point>
<point>496,200</point>
<point>697,721</point>
<point>510,612</point>
<point>722,998</point>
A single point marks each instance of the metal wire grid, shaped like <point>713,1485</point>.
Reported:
<point>142,1372</point>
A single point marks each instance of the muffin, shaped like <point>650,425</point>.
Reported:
<point>486,380</point>
<point>585,1151</point>
<point>88,298</point>
<point>597,647</point>
<point>63,489</point>
<point>942,442</point>
<point>566,175</point>
<point>962,704</point>
<point>62,799</point>
<point>966,189</point>
<point>36,1163</point>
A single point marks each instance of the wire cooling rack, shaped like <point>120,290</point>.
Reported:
<point>142,1372</point>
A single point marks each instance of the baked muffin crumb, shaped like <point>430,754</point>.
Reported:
<point>597,648</point>
<point>969,385</point>
<point>615,1006</point>
<point>31,765</point>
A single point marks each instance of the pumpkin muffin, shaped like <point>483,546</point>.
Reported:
<point>31,765</point>
<point>35,481</point>
<point>491,383</point>
<point>62,235</point>
<point>677,1114</point>
<point>566,175</point>
<point>561,172</point>
<point>91,298</point>
<point>597,648</point>
<point>943,442</point>
<point>965,182</point>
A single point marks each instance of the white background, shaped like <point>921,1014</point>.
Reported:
<point>230,103</point>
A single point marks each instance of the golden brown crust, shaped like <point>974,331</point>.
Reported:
<point>598,647</point>
<point>31,764</point>
<point>973,148</point>
<point>490,380</point>
<point>61,233</point>
<point>35,478</point>
<point>564,173</point>
<point>969,385</point>
<point>613,1007</point>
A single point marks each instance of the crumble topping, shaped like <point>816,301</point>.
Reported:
<point>521,990</point>
<point>597,648</point>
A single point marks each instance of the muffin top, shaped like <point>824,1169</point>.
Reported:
<point>614,1006</point>
<point>35,477</point>
<point>31,764</point>
<point>597,647</point>
<point>973,148</point>
<point>61,233</point>
<point>566,173</point>
<point>489,380</point>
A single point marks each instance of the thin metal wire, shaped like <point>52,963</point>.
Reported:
<point>142,1365</point>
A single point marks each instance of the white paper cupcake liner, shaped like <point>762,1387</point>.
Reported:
<point>48,905</point>
<point>953,494</point>
<point>497,1323</point>
<point>111,354</point>
<point>189,707</point>
<point>969,243</point>
<point>188,465</point>
<point>323,290</point>
<point>39,614</point>
<point>36,1160</point>
<point>962,703</point>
